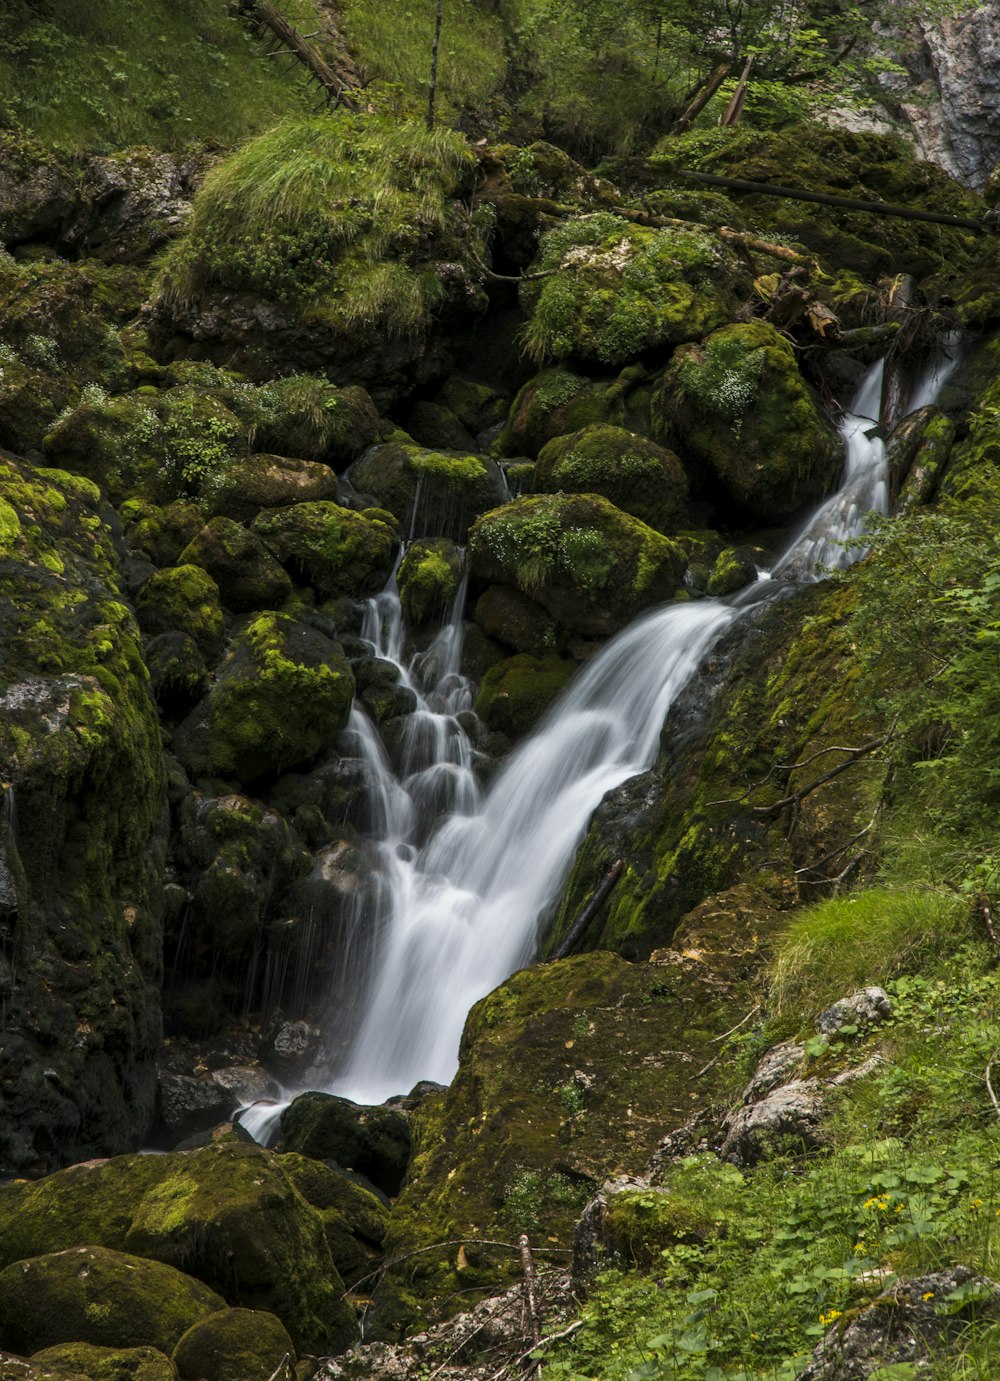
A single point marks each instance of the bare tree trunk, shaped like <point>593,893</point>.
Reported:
<point>432,93</point>
<point>735,107</point>
<point>700,101</point>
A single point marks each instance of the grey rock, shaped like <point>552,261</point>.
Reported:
<point>774,1069</point>
<point>864,1008</point>
<point>913,1322</point>
<point>131,203</point>
<point>248,1083</point>
<point>789,1116</point>
<point>189,1105</point>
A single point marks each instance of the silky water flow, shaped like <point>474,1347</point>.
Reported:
<point>461,880</point>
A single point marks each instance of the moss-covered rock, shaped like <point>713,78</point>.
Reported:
<point>154,443</point>
<point>339,280</point>
<point>247,575</point>
<point>918,452</point>
<point>429,576</point>
<point>182,598</point>
<point>236,1345</point>
<point>516,620</point>
<point>227,1214</point>
<point>266,481</point>
<point>305,416</point>
<point>556,402</point>
<point>476,405</point>
<point>374,1141</point>
<point>96,1295</point>
<point>733,568</point>
<point>435,426</point>
<point>569,1073</point>
<point>592,567</point>
<point>516,692</point>
<point>738,407</point>
<point>432,493</point>
<point>638,476</point>
<point>80,832</point>
<point>160,534</point>
<point>354,1219</point>
<point>108,1363</point>
<point>640,1225</point>
<point>335,550</point>
<point>615,290</point>
<point>282,693</point>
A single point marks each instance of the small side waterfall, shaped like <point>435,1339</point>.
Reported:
<point>447,917</point>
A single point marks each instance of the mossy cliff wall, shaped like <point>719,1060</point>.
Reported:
<point>82,834</point>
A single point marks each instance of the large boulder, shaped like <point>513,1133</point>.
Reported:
<point>282,693</point>
<point>247,575</point>
<point>327,546</point>
<point>637,476</point>
<point>91,1294</point>
<point>737,406</point>
<point>104,1363</point>
<point>82,814</point>
<point>517,691</point>
<point>227,1214</point>
<point>236,1345</point>
<point>374,1141</point>
<point>570,1072</point>
<point>432,493</point>
<point>429,576</point>
<point>591,566</point>
<point>612,290</point>
<point>182,599</point>
<point>269,481</point>
<point>554,403</point>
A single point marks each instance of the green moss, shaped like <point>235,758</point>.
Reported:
<point>428,579</point>
<point>618,290</point>
<point>432,493</point>
<point>590,565</point>
<point>516,693</point>
<point>226,1213</point>
<point>304,415</point>
<point>108,1363</point>
<point>738,405</point>
<point>331,215</point>
<point>636,475</point>
<point>732,570</point>
<point>283,692</point>
<point>640,1226</point>
<point>235,1345</point>
<point>94,1295</point>
<point>184,598</point>
<point>337,551</point>
<point>10,528</point>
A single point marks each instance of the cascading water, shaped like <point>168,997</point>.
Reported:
<point>447,918</point>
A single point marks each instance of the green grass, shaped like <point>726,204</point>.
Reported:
<point>909,1184</point>
<point>112,73</point>
<point>840,945</point>
<point>334,214</point>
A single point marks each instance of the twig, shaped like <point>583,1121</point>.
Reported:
<point>989,1083</point>
<point>530,1315</point>
<point>278,1369</point>
<point>796,797</point>
<point>835,853</point>
<point>455,1242</point>
<point>713,1062</point>
<point>787,767</point>
<point>542,1342</point>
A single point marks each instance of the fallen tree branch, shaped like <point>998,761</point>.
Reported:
<point>795,798</point>
<point>835,853</point>
<point>592,908</point>
<point>530,1316</point>
<point>542,1342</point>
<point>989,1082</point>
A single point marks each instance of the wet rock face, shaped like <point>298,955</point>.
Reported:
<point>81,836</point>
<point>955,87</point>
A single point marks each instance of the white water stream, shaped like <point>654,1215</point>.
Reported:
<point>448,915</point>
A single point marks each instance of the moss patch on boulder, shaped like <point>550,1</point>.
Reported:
<point>227,1213</point>
<point>374,1141</point>
<point>108,1363</point>
<point>267,481</point>
<point>335,550</point>
<point>592,567</point>
<point>96,1295</point>
<point>282,693</point>
<point>432,493</point>
<point>517,692</point>
<point>428,578</point>
<point>182,598</point>
<point>236,1345</point>
<point>556,402</point>
<point>515,620</point>
<point>82,759</point>
<point>637,476</point>
<point>616,290</point>
<point>247,575</point>
<point>738,407</point>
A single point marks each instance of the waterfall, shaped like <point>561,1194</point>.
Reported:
<point>447,917</point>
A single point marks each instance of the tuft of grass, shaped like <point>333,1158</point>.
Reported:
<point>837,946</point>
<point>333,215</point>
